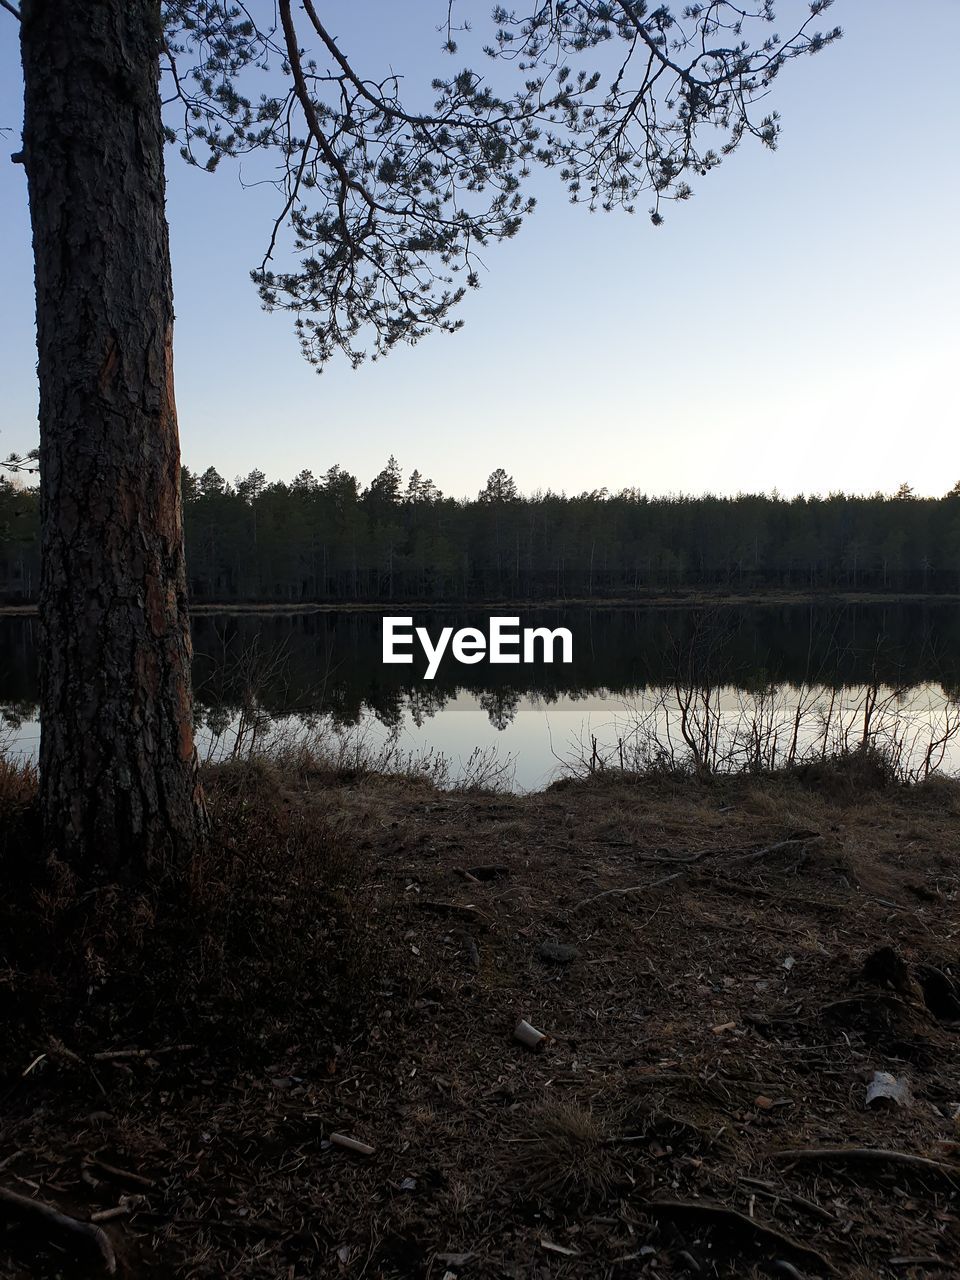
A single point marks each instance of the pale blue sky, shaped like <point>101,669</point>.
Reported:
<point>795,325</point>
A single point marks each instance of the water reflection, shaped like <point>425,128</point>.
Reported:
<point>718,687</point>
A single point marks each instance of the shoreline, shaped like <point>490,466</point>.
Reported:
<point>657,600</point>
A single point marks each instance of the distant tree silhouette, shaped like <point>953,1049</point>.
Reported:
<point>322,540</point>
<point>385,487</point>
<point>499,487</point>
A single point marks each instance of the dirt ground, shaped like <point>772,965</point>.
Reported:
<point>719,970</point>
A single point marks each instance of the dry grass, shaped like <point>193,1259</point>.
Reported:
<point>18,787</point>
<point>565,1157</point>
<point>18,794</point>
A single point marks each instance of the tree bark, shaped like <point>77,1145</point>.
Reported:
<point>118,767</point>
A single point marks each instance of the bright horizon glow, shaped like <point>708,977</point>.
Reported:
<point>793,327</point>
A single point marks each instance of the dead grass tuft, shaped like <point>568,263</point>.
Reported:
<point>848,773</point>
<point>565,1157</point>
<point>939,792</point>
<point>18,804</point>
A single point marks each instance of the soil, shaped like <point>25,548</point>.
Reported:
<point>719,970</point>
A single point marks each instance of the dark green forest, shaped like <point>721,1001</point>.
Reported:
<point>326,538</point>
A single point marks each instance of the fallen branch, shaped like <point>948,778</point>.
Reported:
<point>688,862</point>
<point>878,1155</point>
<point>635,888</point>
<point>120,1055</point>
<point>791,843</point>
<point>784,1193</point>
<point>119,1175</point>
<point>721,1214</point>
<point>62,1224</point>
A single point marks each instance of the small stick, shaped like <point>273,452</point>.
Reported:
<point>107,1215</point>
<point>63,1224</point>
<point>351,1144</point>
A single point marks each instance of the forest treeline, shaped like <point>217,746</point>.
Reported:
<point>326,538</point>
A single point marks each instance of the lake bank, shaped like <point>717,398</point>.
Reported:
<point>737,686</point>
<point>659,600</point>
<point>701,956</point>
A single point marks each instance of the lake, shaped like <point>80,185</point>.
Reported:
<point>725,686</point>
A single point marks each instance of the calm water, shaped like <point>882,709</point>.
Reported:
<point>738,683</point>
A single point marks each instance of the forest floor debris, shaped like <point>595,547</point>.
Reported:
<point>697,1109</point>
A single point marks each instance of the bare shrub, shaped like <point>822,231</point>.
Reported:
<point>868,737</point>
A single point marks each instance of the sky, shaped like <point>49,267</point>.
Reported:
<point>795,326</point>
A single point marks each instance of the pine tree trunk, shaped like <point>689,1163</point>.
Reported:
<point>118,771</point>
